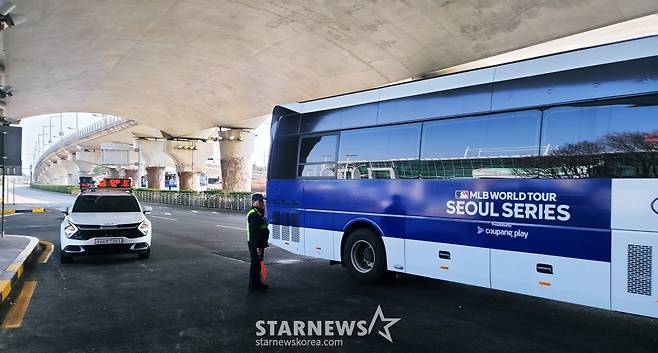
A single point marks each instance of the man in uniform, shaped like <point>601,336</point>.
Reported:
<point>257,237</point>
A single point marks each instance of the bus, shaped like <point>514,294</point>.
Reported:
<point>537,177</point>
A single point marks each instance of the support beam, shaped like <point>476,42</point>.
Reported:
<point>155,177</point>
<point>190,158</point>
<point>154,159</point>
<point>236,149</point>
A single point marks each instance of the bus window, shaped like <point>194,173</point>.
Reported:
<point>387,152</point>
<point>283,158</point>
<point>492,146</point>
<point>317,156</point>
<point>617,139</point>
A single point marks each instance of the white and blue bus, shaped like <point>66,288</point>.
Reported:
<point>537,177</point>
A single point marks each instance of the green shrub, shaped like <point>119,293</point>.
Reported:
<point>66,189</point>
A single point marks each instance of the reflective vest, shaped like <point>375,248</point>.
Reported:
<point>263,226</point>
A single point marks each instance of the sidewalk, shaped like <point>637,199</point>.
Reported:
<point>36,201</point>
<point>16,252</point>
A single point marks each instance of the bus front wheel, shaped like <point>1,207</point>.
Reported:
<point>364,256</point>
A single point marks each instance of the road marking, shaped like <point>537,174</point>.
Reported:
<point>223,226</point>
<point>15,316</point>
<point>61,274</point>
<point>194,211</point>
<point>169,219</point>
<point>167,214</point>
<point>46,254</point>
<point>214,212</point>
<point>146,267</point>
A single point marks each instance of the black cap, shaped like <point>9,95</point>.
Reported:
<point>257,197</point>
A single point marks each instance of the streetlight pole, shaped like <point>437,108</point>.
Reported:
<point>50,128</point>
<point>61,129</point>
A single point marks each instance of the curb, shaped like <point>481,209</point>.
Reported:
<point>10,276</point>
<point>28,210</point>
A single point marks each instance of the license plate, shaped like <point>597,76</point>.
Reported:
<point>104,241</point>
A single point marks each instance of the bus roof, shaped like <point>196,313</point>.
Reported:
<point>579,58</point>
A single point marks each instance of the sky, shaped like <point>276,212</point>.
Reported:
<point>33,127</point>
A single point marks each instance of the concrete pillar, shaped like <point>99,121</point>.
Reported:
<point>154,159</point>
<point>71,171</point>
<point>236,150</point>
<point>190,158</point>
<point>155,177</point>
<point>185,181</point>
<point>132,174</point>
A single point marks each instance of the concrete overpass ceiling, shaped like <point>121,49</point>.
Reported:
<point>188,65</point>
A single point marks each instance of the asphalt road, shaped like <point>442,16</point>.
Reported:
<point>191,296</point>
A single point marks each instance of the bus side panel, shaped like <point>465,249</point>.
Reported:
<point>450,262</point>
<point>450,249</point>
<point>286,219</point>
<point>635,246</point>
<point>579,281</point>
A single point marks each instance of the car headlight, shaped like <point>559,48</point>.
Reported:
<point>144,228</point>
<point>70,229</point>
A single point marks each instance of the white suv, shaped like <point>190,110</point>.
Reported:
<point>105,221</point>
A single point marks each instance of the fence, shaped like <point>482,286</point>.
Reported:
<point>236,202</point>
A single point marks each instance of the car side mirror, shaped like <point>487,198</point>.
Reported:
<point>148,209</point>
<point>64,210</point>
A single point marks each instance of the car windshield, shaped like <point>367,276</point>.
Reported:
<point>106,203</point>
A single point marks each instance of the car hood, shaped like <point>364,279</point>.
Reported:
<point>106,218</point>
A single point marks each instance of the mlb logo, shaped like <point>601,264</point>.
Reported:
<point>461,194</point>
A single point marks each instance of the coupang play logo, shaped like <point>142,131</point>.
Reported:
<point>515,205</point>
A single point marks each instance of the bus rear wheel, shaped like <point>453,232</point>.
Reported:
<point>364,256</point>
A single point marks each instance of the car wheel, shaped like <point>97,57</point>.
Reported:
<point>144,255</point>
<point>364,256</point>
<point>65,259</point>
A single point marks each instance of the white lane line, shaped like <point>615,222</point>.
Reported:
<point>223,226</point>
<point>167,214</point>
<point>214,212</point>
<point>194,211</point>
<point>146,267</point>
<point>169,219</point>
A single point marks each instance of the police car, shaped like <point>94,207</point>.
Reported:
<point>105,219</point>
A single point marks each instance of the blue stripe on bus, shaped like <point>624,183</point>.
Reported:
<point>418,209</point>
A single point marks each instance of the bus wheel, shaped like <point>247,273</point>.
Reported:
<point>364,256</point>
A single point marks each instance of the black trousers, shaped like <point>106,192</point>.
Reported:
<point>254,269</point>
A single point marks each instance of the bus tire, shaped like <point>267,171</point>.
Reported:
<point>364,256</point>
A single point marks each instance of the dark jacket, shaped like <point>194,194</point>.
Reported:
<point>257,231</point>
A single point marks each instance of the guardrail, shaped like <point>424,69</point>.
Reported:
<point>236,202</point>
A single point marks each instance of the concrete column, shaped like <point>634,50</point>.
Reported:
<point>71,171</point>
<point>132,174</point>
<point>236,150</point>
<point>154,159</point>
<point>186,181</point>
<point>155,177</point>
<point>190,158</point>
